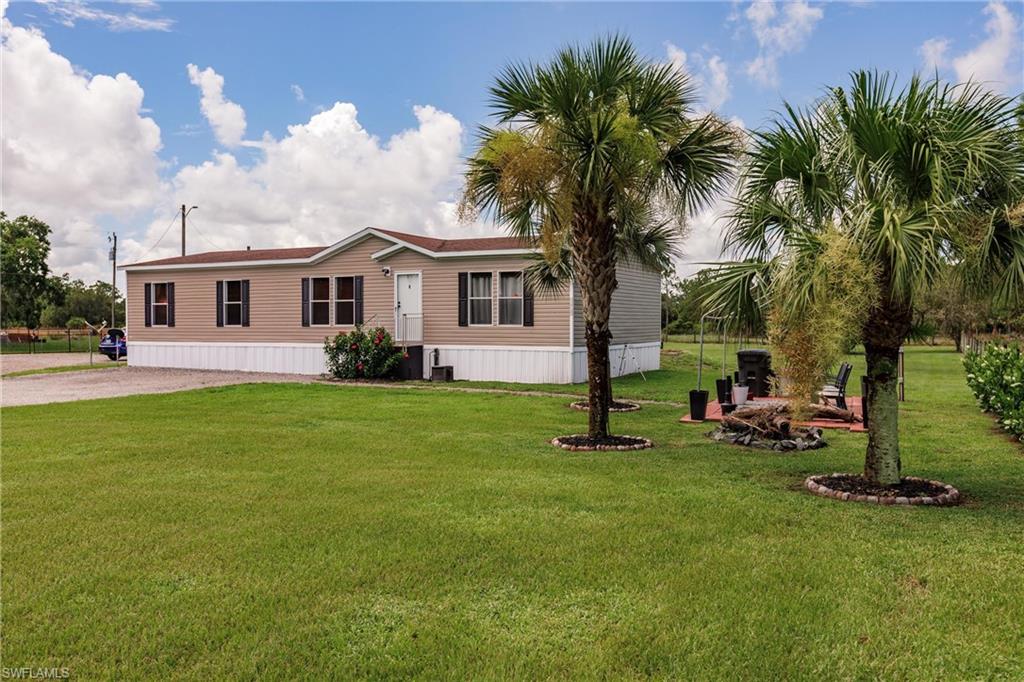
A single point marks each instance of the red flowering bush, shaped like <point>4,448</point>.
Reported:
<point>361,354</point>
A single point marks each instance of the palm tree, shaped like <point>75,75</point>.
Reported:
<point>591,152</point>
<point>914,181</point>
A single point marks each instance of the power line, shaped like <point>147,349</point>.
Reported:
<point>161,236</point>
<point>202,234</point>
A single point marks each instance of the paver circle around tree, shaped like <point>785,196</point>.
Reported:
<point>910,491</point>
<point>583,442</point>
<point>616,406</point>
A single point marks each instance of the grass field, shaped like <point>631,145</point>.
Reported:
<point>337,531</point>
<point>54,344</point>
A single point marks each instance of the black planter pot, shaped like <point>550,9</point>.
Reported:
<point>698,405</point>
<point>724,389</point>
<point>728,408</point>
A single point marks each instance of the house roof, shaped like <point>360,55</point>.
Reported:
<point>429,245</point>
<point>449,245</point>
<point>237,256</point>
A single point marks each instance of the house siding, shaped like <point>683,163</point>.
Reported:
<point>440,286</point>
<point>636,308</point>
<point>275,304</point>
<point>275,308</point>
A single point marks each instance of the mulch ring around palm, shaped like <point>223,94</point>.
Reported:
<point>583,442</point>
<point>616,406</point>
<point>909,491</point>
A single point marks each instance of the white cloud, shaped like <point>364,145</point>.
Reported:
<point>300,96</point>
<point>226,118</point>
<point>778,34</point>
<point>76,148</point>
<point>996,59</point>
<point>709,74</point>
<point>70,12</point>
<point>327,178</point>
<point>933,53</point>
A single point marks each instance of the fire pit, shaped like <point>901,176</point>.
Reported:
<point>770,425</point>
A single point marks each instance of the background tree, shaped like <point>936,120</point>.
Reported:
<point>592,149</point>
<point>912,179</point>
<point>89,302</point>
<point>27,286</point>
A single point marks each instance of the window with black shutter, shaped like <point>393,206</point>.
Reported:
<point>320,301</point>
<point>463,299</point>
<point>245,303</point>
<point>344,300</point>
<point>510,298</point>
<point>170,304</point>
<point>220,303</point>
<point>359,298</point>
<point>527,305</point>
<point>160,302</point>
<point>233,303</point>
<point>305,301</point>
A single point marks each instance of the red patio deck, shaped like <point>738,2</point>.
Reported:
<point>714,414</point>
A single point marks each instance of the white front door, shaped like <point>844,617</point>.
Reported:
<point>408,307</point>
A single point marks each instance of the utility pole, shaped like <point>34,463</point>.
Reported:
<point>113,278</point>
<point>184,214</point>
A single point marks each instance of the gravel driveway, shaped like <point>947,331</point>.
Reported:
<point>111,383</point>
<point>17,362</point>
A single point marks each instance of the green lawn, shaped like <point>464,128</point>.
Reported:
<point>52,344</point>
<point>672,383</point>
<point>294,531</point>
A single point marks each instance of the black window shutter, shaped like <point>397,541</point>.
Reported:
<point>220,303</point>
<point>147,295</point>
<point>245,303</point>
<point>357,286</point>
<point>170,304</point>
<point>527,305</point>
<point>463,299</point>
<point>305,301</point>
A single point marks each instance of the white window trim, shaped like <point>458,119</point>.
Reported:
<point>153,304</point>
<point>520,298</point>
<point>329,301</point>
<point>225,303</point>
<point>335,301</point>
<point>470,298</point>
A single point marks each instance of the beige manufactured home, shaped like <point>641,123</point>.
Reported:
<point>459,302</point>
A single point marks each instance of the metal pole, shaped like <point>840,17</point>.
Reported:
<point>725,340</point>
<point>700,360</point>
<point>183,214</point>
<point>113,281</point>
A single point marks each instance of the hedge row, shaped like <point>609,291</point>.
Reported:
<point>996,375</point>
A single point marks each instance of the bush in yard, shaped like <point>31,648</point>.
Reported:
<point>361,354</point>
<point>996,375</point>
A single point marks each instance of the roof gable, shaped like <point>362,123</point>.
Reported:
<point>430,246</point>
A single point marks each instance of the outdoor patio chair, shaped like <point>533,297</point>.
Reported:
<point>837,391</point>
<point>839,375</point>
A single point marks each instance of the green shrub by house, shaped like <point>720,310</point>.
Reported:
<point>361,354</point>
<point>996,375</point>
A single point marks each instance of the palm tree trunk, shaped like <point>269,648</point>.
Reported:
<point>884,332</point>
<point>882,461</point>
<point>594,259</point>
<point>599,381</point>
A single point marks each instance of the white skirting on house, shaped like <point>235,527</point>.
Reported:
<point>521,364</point>
<point>525,364</point>
<point>624,358</point>
<point>282,358</point>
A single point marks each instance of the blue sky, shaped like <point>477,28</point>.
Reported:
<point>282,64</point>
